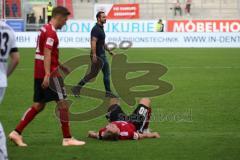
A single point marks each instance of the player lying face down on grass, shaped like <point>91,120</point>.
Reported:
<point>126,127</point>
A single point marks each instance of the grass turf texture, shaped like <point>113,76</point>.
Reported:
<point>206,82</point>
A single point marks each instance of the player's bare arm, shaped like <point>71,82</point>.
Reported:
<point>14,60</point>
<point>47,64</point>
<point>148,135</point>
<point>93,134</point>
<point>93,49</point>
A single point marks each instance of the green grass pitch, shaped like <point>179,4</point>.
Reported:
<point>206,89</point>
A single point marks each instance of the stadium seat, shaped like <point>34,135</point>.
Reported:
<point>18,3</point>
<point>68,4</point>
<point>155,9</point>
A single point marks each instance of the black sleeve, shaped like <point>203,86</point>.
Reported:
<point>95,33</point>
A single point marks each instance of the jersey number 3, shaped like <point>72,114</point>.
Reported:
<point>4,38</point>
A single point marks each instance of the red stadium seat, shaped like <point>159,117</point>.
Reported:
<point>68,4</point>
<point>9,4</point>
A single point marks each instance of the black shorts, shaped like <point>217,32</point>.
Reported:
<point>139,117</point>
<point>55,92</point>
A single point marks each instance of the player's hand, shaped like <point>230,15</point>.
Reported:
<point>92,134</point>
<point>156,134</point>
<point>45,83</point>
<point>94,58</point>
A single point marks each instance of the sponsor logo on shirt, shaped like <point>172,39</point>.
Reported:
<point>50,41</point>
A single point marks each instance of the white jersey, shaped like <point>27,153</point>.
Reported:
<point>7,46</point>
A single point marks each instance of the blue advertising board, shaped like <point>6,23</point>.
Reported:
<point>16,24</point>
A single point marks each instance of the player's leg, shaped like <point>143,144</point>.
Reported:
<point>3,148</point>
<point>114,101</point>
<point>2,92</point>
<point>146,102</point>
<point>106,78</point>
<point>115,112</point>
<point>106,75</point>
<point>58,94</point>
<point>94,70</point>
<point>141,115</point>
<point>27,117</point>
<point>63,113</point>
<point>38,106</point>
<point>30,114</point>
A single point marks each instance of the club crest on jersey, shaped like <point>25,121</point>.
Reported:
<point>50,41</point>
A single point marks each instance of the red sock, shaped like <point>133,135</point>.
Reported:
<point>64,119</point>
<point>26,119</point>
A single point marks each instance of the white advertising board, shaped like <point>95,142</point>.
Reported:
<point>140,40</point>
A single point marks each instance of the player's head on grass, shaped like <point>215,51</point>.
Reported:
<point>59,16</point>
<point>111,133</point>
<point>101,17</point>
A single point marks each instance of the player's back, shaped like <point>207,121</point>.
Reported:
<point>127,129</point>
<point>7,46</point>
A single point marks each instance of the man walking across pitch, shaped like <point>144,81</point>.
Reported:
<point>46,62</point>
<point>8,49</point>
<point>98,58</point>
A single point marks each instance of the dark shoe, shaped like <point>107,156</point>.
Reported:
<point>110,95</point>
<point>76,90</point>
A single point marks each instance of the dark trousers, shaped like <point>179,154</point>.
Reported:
<point>101,64</point>
<point>188,7</point>
<point>178,9</point>
<point>49,18</point>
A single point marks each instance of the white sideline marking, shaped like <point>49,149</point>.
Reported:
<point>172,67</point>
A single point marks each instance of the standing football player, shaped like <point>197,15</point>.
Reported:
<point>7,49</point>
<point>46,62</point>
<point>98,57</point>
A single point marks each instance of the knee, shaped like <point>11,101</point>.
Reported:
<point>114,101</point>
<point>62,104</point>
<point>39,106</point>
<point>145,101</point>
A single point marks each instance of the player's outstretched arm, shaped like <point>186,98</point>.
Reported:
<point>14,56</point>
<point>149,135</point>
<point>92,134</point>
